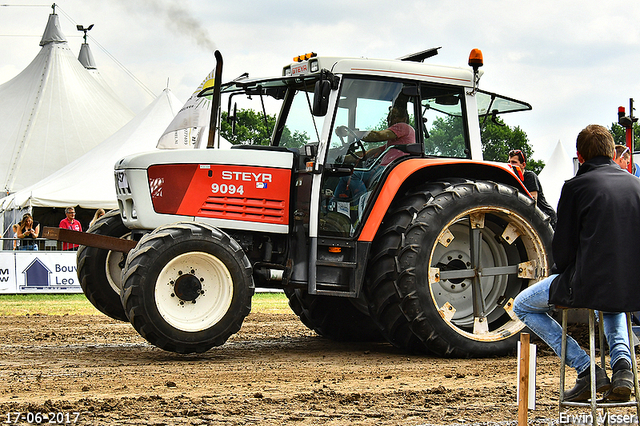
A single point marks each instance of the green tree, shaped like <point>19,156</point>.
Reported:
<point>498,139</point>
<point>296,139</point>
<point>620,135</point>
<point>446,137</point>
<point>250,128</point>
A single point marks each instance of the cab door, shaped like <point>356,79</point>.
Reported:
<point>354,168</point>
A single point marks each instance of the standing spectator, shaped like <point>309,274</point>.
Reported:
<point>27,230</point>
<point>596,264</point>
<point>70,222</point>
<point>98,214</point>
<point>622,157</point>
<point>14,228</point>
<point>532,183</point>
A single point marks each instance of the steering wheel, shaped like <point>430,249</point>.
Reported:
<point>354,146</point>
<point>342,132</point>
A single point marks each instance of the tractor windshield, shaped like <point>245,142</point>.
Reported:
<point>257,111</point>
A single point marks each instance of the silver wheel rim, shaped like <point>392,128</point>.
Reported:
<point>194,291</point>
<point>452,272</point>
<point>112,268</point>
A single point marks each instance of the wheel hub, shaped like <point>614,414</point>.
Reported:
<point>454,260</point>
<point>187,287</point>
<point>456,264</point>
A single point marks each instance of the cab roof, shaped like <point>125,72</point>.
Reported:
<point>383,67</point>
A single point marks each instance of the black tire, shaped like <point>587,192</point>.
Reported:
<point>424,241</point>
<point>100,271</point>
<point>336,318</point>
<point>187,287</point>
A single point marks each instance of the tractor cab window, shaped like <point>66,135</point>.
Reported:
<point>443,121</point>
<point>301,126</point>
<point>366,110</point>
<point>273,111</point>
<point>374,124</point>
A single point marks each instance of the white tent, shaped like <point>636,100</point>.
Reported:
<point>86,59</point>
<point>53,112</point>
<point>88,181</point>
<point>557,170</point>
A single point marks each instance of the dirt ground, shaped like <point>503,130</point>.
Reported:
<point>273,372</point>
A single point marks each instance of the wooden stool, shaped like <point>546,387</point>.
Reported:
<point>595,403</point>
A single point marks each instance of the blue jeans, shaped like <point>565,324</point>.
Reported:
<point>533,308</point>
<point>349,187</point>
<point>28,247</point>
<point>353,186</point>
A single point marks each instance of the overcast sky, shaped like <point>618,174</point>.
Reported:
<point>575,62</point>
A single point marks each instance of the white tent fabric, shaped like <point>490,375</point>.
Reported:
<point>51,113</point>
<point>88,181</point>
<point>86,59</point>
<point>557,170</point>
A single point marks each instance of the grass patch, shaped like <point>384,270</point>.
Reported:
<point>270,303</point>
<point>46,304</point>
<point>77,304</point>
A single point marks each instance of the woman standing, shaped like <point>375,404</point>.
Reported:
<point>28,231</point>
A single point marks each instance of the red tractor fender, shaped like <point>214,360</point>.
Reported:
<point>433,169</point>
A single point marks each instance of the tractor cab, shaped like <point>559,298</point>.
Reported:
<point>349,122</point>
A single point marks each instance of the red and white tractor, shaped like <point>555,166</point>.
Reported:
<point>418,242</point>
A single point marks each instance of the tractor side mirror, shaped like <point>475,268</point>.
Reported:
<point>321,98</point>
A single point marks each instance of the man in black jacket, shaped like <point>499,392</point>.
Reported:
<point>595,265</point>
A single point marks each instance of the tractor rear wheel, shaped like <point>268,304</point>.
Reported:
<point>336,318</point>
<point>187,287</point>
<point>447,263</point>
<point>100,270</point>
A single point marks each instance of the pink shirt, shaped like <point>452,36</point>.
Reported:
<point>405,135</point>
<point>75,226</point>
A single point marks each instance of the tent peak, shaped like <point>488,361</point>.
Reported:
<point>53,33</point>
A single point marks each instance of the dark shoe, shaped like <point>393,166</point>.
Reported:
<point>582,390</point>
<point>621,386</point>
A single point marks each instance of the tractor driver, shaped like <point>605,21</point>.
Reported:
<point>399,132</point>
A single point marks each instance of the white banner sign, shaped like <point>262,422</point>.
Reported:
<point>45,272</point>
<point>7,272</point>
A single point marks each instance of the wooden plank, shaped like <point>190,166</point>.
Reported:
<point>523,380</point>
<point>90,240</point>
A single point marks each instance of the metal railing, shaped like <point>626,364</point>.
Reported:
<point>42,244</point>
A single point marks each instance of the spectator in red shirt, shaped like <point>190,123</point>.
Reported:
<point>70,222</point>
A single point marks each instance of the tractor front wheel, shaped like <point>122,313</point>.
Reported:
<point>187,287</point>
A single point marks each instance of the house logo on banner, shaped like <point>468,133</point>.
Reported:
<point>37,274</point>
